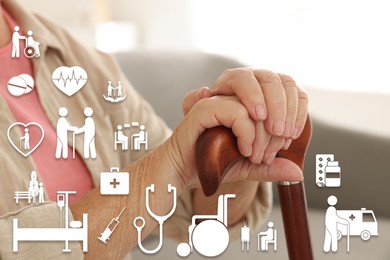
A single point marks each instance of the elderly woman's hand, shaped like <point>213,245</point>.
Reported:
<point>272,100</point>
<point>265,111</point>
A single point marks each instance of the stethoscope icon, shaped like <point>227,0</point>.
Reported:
<point>159,219</point>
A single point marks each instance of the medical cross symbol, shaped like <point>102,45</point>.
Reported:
<point>352,217</point>
<point>114,183</point>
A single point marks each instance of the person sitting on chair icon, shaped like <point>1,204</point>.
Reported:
<point>30,42</point>
<point>139,138</point>
<point>122,139</point>
<point>267,236</point>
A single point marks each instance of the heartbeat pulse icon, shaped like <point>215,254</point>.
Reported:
<point>69,79</point>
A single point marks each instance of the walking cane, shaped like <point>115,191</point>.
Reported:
<point>216,151</point>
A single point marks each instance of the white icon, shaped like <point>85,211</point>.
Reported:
<point>35,190</point>
<point>211,237</point>
<point>137,139</point>
<point>16,37</point>
<point>63,127</point>
<point>20,85</point>
<point>268,237</point>
<point>89,130</point>
<point>32,46</point>
<point>110,228</point>
<point>73,231</point>
<point>140,138</point>
<point>328,172</point>
<point>110,93</point>
<point>69,79</point>
<point>32,137</point>
<point>347,223</point>
<point>25,139</point>
<point>114,182</point>
<point>159,219</point>
<point>245,237</point>
<point>41,193</point>
<point>120,138</point>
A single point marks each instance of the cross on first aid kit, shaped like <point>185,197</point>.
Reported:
<point>114,182</point>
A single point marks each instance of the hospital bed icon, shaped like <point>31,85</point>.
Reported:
<point>73,231</point>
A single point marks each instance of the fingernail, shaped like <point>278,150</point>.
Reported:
<point>202,92</point>
<point>279,127</point>
<point>288,128</point>
<point>261,113</point>
<point>287,144</point>
<point>270,158</point>
<point>249,151</point>
<point>296,132</point>
<point>257,158</point>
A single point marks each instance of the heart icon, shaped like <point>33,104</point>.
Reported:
<point>30,139</point>
<point>69,79</point>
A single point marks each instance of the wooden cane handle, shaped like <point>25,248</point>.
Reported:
<point>216,151</point>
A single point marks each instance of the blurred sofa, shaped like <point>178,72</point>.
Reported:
<point>164,77</point>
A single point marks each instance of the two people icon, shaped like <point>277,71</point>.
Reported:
<point>89,130</point>
<point>31,46</point>
<point>111,93</point>
<point>36,189</point>
<point>110,89</point>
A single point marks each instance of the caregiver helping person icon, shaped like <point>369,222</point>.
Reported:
<point>31,46</point>
<point>89,129</point>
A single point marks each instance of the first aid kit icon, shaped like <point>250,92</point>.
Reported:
<point>114,182</point>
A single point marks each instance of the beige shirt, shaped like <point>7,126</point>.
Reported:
<point>60,49</point>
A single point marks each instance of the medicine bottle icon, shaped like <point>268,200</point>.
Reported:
<point>332,174</point>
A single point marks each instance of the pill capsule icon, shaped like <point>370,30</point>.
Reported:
<point>20,85</point>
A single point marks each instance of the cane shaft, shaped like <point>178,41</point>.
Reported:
<point>216,151</point>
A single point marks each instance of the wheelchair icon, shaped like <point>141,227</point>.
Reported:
<point>32,47</point>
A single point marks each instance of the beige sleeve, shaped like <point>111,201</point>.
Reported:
<point>177,226</point>
<point>39,216</point>
<point>134,109</point>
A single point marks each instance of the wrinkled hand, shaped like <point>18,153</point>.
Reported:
<point>264,110</point>
<point>273,101</point>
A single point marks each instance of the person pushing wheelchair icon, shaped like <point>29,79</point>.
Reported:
<point>32,46</point>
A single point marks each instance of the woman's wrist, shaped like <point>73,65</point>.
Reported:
<point>161,166</point>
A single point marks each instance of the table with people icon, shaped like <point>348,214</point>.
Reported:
<point>136,139</point>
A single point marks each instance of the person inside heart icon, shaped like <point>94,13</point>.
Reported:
<point>25,139</point>
<point>27,142</point>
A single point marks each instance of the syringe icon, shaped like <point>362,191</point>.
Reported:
<point>110,228</point>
